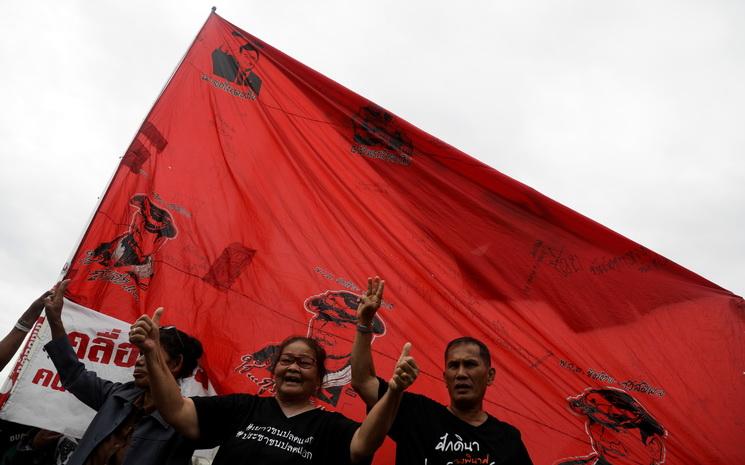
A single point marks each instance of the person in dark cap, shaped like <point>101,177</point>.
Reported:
<point>132,252</point>
<point>621,430</point>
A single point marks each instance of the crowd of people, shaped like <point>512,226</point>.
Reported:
<point>148,421</point>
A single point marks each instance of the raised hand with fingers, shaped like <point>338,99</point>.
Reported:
<point>405,372</point>
<point>10,344</point>
<point>53,302</point>
<point>370,301</point>
<point>145,332</point>
<point>26,321</point>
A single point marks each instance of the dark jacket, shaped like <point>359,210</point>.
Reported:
<point>153,441</point>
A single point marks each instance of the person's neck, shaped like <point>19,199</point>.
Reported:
<point>471,414</point>
<point>294,406</point>
<point>147,400</point>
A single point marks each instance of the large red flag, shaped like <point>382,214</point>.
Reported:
<point>258,195</point>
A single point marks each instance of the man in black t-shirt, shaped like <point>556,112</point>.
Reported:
<point>425,431</point>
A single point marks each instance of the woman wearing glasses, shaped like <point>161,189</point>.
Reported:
<point>285,429</point>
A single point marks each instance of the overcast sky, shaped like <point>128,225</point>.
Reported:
<point>630,112</point>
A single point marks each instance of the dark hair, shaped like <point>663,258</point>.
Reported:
<point>177,344</point>
<point>483,350</point>
<point>318,350</point>
<point>628,412</point>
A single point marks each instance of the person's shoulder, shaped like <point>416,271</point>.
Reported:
<point>420,408</point>
<point>408,397</point>
<point>422,401</point>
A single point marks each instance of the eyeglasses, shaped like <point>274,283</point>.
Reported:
<point>178,336</point>
<point>303,361</point>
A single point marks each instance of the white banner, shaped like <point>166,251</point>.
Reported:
<point>36,396</point>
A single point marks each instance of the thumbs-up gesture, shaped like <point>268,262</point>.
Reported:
<point>145,332</point>
<point>405,372</point>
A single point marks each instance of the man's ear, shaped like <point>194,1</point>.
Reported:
<point>490,376</point>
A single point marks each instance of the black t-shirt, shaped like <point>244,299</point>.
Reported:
<point>427,433</point>
<point>254,430</point>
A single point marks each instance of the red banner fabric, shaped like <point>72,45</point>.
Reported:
<point>259,195</point>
